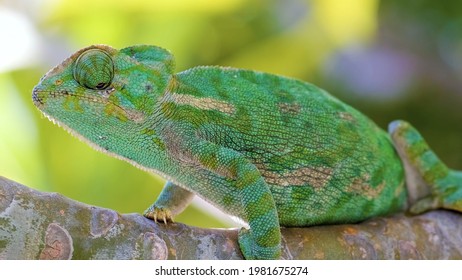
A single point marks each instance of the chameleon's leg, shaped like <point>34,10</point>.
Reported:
<point>263,239</point>
<point>445,185</point>
<point>171,201</point>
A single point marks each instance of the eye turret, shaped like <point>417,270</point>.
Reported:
<point>94,69</point>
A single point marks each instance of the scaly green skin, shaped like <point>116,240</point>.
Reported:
<point>270,150</point>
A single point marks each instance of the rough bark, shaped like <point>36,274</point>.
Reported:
<point>37,225</point>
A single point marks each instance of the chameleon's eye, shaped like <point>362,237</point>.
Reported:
<point>94,69</point>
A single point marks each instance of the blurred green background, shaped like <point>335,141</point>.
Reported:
<point>390,59</point>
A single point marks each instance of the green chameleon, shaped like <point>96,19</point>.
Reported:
<point>270,150</point>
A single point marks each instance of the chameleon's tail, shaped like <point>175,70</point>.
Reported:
<point>431,184</point>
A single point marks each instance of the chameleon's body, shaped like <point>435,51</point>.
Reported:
<point>270,150</point>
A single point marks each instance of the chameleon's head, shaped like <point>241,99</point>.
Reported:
<point>100,93</point>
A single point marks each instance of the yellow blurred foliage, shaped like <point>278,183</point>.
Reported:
<point>80,7</point>
<point>346,22</point>
<point>301,49</point>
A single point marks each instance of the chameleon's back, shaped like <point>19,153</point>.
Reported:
<point>309,147</point>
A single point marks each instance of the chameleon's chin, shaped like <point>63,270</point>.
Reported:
<point>56,122</point>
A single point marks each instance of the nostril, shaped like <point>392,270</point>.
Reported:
<point>36,97</point>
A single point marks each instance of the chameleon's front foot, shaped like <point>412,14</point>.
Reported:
<point>172,200</point>
<point>252,251</point>
<point>158,214</point>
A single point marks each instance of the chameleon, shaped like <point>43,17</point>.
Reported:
<point>270,150</point>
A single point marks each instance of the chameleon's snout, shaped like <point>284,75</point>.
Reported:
<point>37,96</point>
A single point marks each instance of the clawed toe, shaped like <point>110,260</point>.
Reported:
<point>159,215</point>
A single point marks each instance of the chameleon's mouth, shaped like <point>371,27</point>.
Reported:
<point>39,97</point>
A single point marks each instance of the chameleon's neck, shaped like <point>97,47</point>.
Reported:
<point>153,142</point>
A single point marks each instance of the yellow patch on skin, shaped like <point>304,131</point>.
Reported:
<point>123,114</point>
<point>289,108</point>
<point>317,177</point>
<point>361,186</point>
<point>347,116</point>
<point>203,103</point>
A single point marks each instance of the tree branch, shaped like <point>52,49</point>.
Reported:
<point>37,225</point>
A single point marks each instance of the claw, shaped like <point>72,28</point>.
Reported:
<point>159,215</point>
